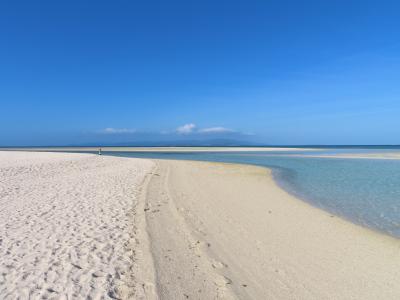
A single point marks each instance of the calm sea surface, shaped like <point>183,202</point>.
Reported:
<point>364,191</point>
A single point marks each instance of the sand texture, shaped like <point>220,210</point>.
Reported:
<point>83,226</point>
<point>67,226</point>
<point>222,231</point>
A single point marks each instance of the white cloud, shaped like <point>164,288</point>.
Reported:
<point>191,128</point>
<point>186,129</point>
<point>215,130</point>
<point>110,130</point>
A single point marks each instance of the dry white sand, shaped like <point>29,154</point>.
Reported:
<point>67,226</point>
<point>222,231</point>
<point>81,226</point>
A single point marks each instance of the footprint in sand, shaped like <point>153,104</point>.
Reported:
<point>218,265</point>
<point>223,281</point>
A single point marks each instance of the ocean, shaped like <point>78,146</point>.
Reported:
<point>363,191</point>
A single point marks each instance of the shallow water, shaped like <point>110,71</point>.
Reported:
<point>364,191</point>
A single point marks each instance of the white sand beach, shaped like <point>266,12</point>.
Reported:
<point>228,231</point>
<point>77,226</point>
<point>160,149</point>
<point>67,226</point>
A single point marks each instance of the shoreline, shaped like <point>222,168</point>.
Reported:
<point>283,150</point>
<point>174,229</point>
<point>157,149</point>
<point>279,246</point>
<point>283,185</point>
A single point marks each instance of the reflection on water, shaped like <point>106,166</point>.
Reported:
<point>365,191</point>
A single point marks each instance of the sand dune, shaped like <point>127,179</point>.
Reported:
<point>67,225</point>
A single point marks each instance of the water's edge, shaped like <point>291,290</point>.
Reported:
<point>365,192</point>
<point>301,185</point>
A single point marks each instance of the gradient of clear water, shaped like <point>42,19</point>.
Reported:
<point>364,191</point>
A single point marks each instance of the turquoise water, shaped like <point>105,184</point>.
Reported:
<point>364,191</point>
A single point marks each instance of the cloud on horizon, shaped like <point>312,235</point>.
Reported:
<point>186,129</point>
<point>191,128</point>
<point>188,133</point>
<point>215,130</point>
<point>111,130</point>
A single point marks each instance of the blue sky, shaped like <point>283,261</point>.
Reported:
<point>274,72</point>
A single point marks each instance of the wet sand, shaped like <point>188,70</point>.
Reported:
<point>228,231</point>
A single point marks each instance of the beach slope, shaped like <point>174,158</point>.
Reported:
<point>228,231</point>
